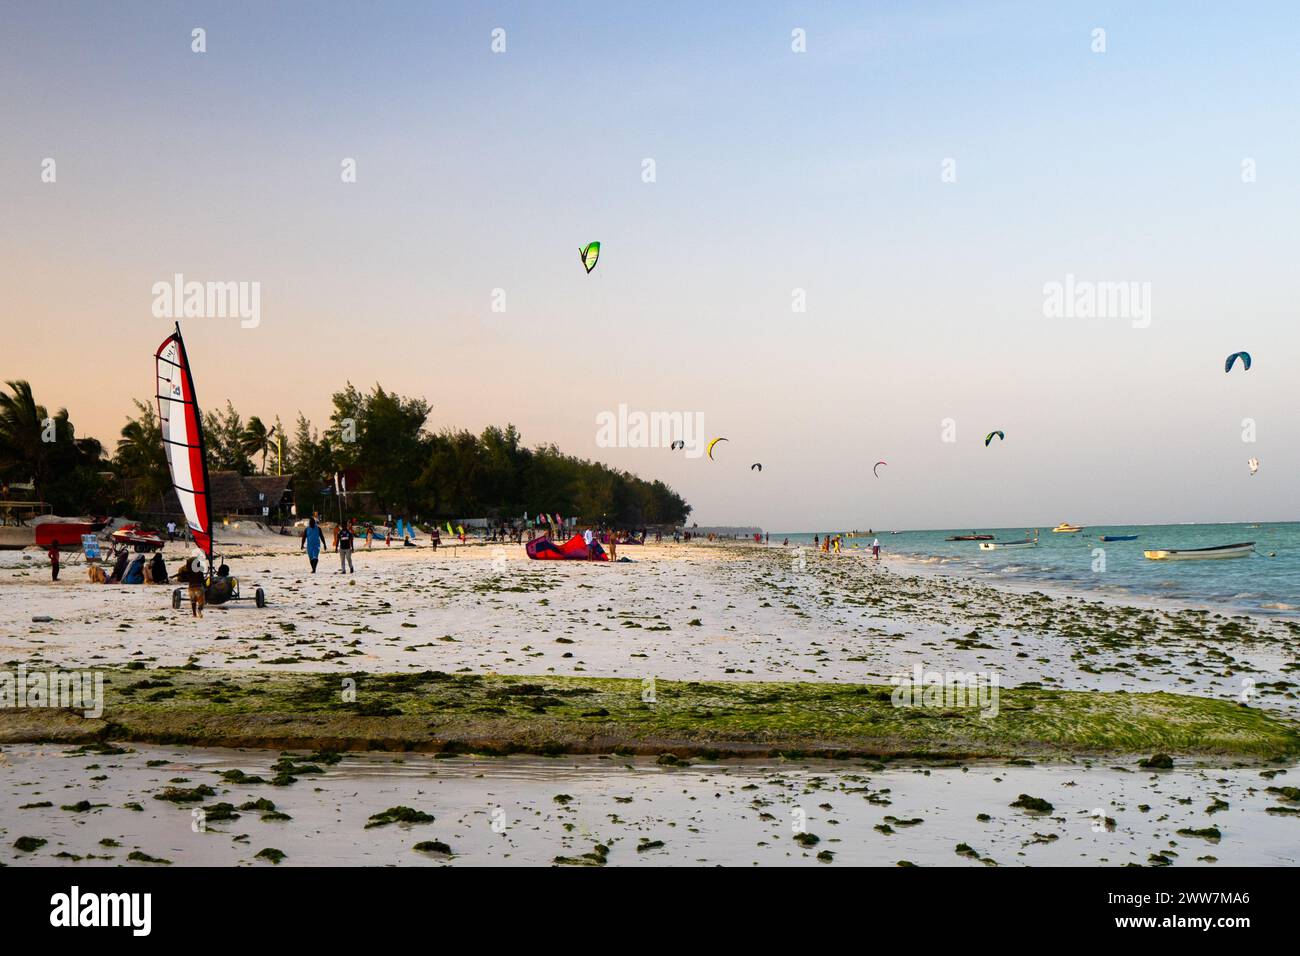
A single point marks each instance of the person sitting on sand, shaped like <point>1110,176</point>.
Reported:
<point>135,574</point>
<point>157,569</point>
<point>119,567</point>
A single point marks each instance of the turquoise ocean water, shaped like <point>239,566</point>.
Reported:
<point>1267,581</point>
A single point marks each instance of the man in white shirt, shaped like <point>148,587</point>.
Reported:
<point>171,530</point>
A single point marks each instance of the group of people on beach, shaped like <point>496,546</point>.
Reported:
<point>833,544</point>
<point>125,571</point>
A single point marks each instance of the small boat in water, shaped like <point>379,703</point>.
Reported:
<point>1202,554</point>
<point>1119,537</point>
<point>1066,528</point>
<point>969,537</point>
<point>1004,545</point>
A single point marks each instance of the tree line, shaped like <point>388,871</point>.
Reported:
<point>381,436</point>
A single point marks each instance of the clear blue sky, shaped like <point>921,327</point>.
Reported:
<point>776,171</point>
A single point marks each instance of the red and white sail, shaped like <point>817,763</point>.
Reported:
<point>182,435</point>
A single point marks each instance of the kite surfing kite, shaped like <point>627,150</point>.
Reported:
<point>709,450</point>
<point>589,254</point>
<point>1245,361</point>
<point>877,465</point>
<point>757,464</point>
<point>989,437</point>
<point>575,549</point>
<point>1254,465</point>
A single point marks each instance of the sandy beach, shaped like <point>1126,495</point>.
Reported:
<point>734,616</point>
<point>678,612</point>
<point>97,809</point>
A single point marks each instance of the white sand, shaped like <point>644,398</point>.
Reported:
<point>486,608</point>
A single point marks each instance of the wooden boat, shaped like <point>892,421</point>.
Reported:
<point>1202,554</point>
<point>969,537</point>
<point>1066,528</point>
<point>1119,537</point>
<point>1004,545</point>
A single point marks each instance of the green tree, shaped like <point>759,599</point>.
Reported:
<point>141,458</point>
<point>255,439</point>
<point>44,449</point>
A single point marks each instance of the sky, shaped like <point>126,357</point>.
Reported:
<point>921,172</point>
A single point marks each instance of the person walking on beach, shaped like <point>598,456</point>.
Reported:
<point>344,549</point>
<point>875,548</point>
<point>370,535</point>
<point>313,539</point>
<point>587,539</point>
<point>171,530</point>
<point>54,560</point>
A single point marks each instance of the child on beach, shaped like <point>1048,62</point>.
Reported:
<point>54,560</point>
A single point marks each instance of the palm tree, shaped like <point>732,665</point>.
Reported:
<point>141,458</point>
<point>256,440</point>
<point>25,446</point>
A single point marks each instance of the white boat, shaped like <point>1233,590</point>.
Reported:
<point>1202,554</point>
<point>1003,545</point>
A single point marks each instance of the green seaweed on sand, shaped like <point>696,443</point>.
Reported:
<point>29,844</point>
<point>1032,804</point>
<point>433,846</point>
<point>139,857</point>
<point>270,853</point>
<point>1157,762</point>
<point>186,794</point>
<point>398,815</point>
<point>1207,833</point>
<point>598,856</point>
<point>435,711</point>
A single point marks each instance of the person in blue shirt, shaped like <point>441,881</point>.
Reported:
<point>313,539</point>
